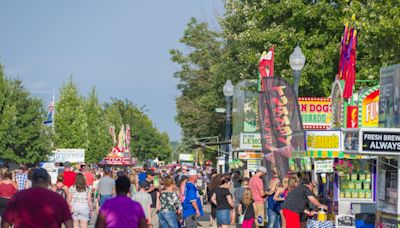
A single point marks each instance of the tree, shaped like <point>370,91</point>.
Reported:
<point>24,137</point>
<point>99,141</point>
<point>250,27</point>
<point>146,141</point>
<point>70,118</point>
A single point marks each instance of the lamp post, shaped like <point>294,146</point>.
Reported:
<point>297,61</point>
<point>228,93</point>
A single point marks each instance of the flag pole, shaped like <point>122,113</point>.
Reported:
<point>54,109</point>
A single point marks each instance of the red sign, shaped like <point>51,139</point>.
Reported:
<point>352,117</point>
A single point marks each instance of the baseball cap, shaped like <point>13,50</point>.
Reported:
<point>192,172</point>
<point>67,164</point>
<point>40,174</point>
<point>150,172</point>
<point>107,169</point>
<point>262,169</point>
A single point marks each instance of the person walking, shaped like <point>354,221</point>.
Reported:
<point>257,190</point>
<point>121,211</point>
<point>60,188</point>
<point>296,203</point>
<point>152,189</point>
<point>144,199</point>
<point>168,205</point>
<point>279,197</point>
<point>246,209</point>
<point>224,201</point>
<point>201,186</point>
<point>273,214</point>
<point>21,177</point>
<point>192,208</point>
<point>69,175</point>
<point>80,201</point>
<point>106,187</point>
<point>134,183</point>
<point>89,177</point>
<point>7,189</point>
<point>25,207</point>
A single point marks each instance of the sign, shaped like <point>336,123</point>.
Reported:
<point>323,166</point>
<point>250,155</point>
<point>186,157</point>
<point>316,113</point>
<point>369,107</point>
<point>250,141</point>
<point>350,140</point>
<point>70,155</point>
<point>352,117</point>
<point>389,100</point>
<point>116,160</point>
<point>253,165</point>
<point>323,140</point>
<point>380,140</point>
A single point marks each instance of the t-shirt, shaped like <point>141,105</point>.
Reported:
<point>89,178</point>
<point>142,176</point>
<point>106,185</point>
<point>144,199</point>
<point>37,207</point>
<point>248,210</point>
<point>121,211</point>
<point>69,178</point>
<point>297,200</point>
<point>153,193</point>
<point>222,201</point>
<point>255,185</point>
<point>191,194</point>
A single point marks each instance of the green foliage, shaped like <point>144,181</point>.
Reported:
<point>99,141</point>
<point>70,118</point>
<point>146,141</point>
<point>250,27</point>
<point>24,137</point>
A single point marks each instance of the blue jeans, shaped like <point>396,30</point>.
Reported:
<point>168,219</point>
<point>274,219</point>
<point>103,199</point>
<point>224,217</point>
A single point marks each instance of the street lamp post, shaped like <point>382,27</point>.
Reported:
<point>297,61</point>
<point>228,93</point>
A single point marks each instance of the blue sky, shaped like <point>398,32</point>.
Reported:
<point>119,46</point>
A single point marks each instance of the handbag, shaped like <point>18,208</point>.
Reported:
<point>241,217</point>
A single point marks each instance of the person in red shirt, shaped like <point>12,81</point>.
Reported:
<point>88,176</point>
<point>69,176</point>
<point>37,206</point>
<point>257,189</point>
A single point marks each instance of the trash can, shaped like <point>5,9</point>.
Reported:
<point>365,220</point>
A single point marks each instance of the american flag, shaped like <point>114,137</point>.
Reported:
<point>49,119</point>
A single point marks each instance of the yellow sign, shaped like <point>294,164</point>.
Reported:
<point>323,140</point>
<point>316,113</point>
<point>370,110</point>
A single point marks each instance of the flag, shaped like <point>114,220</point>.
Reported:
<point>128,137</point>
<point>350,79</point>
<point>49,118</point>
<point>281,126</point>
<point>111,131</point>
<point>121,138</point>
<point>266,66</point>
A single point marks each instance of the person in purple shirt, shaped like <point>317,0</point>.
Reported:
<point>121,211</point>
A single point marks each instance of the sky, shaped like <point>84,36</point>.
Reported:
<point>120,47</point>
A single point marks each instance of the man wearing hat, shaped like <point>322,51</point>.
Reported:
<point>37,206</point>
<point>152,190</point>
<point>257,189</point>
<point>192,208</point>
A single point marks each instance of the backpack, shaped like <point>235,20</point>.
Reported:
<point>61,192</point>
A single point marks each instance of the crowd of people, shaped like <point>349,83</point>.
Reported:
<point>149,197</point>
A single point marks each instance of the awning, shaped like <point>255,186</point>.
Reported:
<point>326,154</point>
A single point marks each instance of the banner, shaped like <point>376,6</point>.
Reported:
<point>369,107</point>
<point>352,117</point>
<point>67,155</point>
<point>389,100</point>
<point>316,113</point>
<point>281,126</point>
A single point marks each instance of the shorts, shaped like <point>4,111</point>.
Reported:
<point>260,213</point>
<point>81,212</point>
<point>153,217</point>
<point>224,217</point>
<point>191,221</point>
